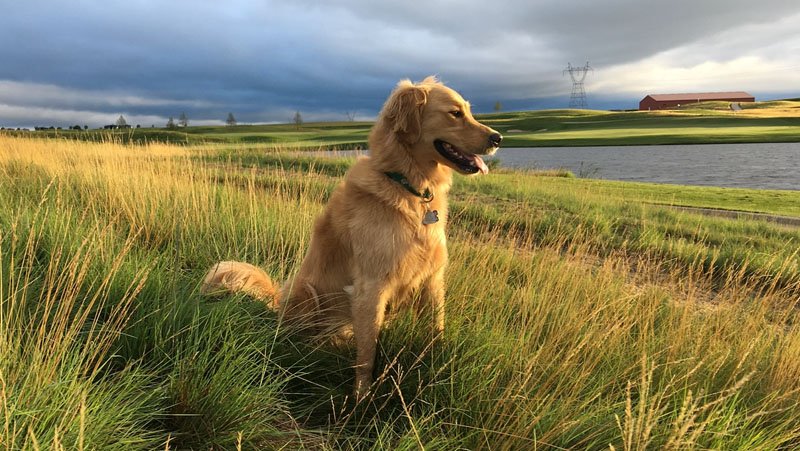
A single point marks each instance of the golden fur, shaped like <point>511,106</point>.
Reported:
<point>369,248</point>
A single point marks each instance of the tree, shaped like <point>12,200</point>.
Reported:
<point>171,123</point>
<point>298,120</point>
<point>183,121</point>
<point>351,116</point>
<point>498,106</point>
<point>121,122</point>
<point>230,120</point>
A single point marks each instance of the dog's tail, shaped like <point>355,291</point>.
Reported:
<point>239,277</point>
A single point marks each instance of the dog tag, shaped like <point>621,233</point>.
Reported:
<point>431,217</point>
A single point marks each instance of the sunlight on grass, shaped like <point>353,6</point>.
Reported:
<point>579,315</point>
<point>688,132</point>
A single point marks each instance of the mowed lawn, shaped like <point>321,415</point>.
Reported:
<point>669,134</point>
<point>706,123</point>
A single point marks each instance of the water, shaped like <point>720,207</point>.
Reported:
<point>760,166</point>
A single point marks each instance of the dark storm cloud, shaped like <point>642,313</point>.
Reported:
<point>611,31</point>
<point>264,60</point>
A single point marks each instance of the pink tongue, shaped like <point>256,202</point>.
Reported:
<point>480,164</point>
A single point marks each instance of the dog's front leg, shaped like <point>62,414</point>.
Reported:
<point>368,309</point>
<point>432,297</point>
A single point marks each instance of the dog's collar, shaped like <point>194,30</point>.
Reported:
<point>426,195</point>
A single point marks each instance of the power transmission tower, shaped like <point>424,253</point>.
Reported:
<point>578,97</point>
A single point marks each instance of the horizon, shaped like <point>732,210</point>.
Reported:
<point>289,121</point>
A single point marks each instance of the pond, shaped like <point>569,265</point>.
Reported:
<point>761,166</point>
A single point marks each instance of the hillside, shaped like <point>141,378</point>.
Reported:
<point>704,123</point>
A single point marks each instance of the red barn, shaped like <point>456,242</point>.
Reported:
<point>667,101</point>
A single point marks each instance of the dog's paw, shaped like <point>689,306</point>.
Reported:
<point>362,389</point>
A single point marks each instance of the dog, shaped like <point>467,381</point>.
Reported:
<point>381,238</point>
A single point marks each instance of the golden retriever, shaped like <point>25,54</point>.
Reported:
<point>381,237</point>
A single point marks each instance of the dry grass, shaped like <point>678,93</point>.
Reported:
<point>768,109</point>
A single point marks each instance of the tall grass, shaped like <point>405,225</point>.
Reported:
<point>552,341</point>
<point>101,246</point>
<point>63,305</point>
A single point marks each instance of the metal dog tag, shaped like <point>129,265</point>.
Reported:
<point>431,217</point>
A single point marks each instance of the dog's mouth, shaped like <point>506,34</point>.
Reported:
<point>464,162</point>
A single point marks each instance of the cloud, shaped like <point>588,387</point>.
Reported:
<point>28,104</point>
<point>728,61</point>
<point>40,94</point>
<point>29,117</point>
<point>659,76</point>
<point>261,60</point>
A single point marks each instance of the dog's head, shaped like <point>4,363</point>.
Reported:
<point>433,122</point>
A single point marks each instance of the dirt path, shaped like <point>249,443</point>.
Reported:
<point>733,214</point>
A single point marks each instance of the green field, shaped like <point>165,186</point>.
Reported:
<point>581,314</point>
<point>706,123</point>
<point>709,122</point>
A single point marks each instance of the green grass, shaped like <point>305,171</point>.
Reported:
<point>708,122</point>
<point>634,218</point>
<point>581,314</point>
<point>598,128</point>
<point>757,201</point>
<point>310,136</point>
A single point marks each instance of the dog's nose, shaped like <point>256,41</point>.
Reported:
<point>494,139</point>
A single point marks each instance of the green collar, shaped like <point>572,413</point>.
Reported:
<point>426,195</point>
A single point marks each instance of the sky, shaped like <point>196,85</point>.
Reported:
<point>82,62</point>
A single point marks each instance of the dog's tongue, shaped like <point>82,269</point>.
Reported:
<point>480,164</point>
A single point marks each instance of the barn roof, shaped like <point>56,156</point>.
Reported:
<point>699,96</point>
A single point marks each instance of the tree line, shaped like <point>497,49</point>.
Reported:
<point>183,121</point>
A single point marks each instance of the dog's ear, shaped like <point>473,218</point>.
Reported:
<point>403,111</point>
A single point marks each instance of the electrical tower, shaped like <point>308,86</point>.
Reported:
<point>578,97</point>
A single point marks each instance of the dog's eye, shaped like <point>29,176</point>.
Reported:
<point>457,113</point>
